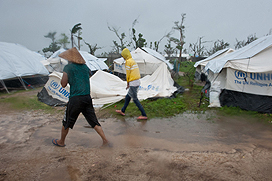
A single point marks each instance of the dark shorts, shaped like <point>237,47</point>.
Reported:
<point>77,105</point>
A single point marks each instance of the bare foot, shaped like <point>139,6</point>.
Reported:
<point>106,145</point>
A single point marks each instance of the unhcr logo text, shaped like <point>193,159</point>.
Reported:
<point>54,84</point>
<point>240,74</point>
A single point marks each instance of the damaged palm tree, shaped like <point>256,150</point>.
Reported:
<point>76,29</point>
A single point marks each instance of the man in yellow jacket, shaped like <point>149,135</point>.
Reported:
<point>133,82</point>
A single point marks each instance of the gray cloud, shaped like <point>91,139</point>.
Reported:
<point>26,22</point>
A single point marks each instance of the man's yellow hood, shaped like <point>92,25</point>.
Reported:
<point>126,54</point>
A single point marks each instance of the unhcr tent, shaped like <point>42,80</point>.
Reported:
<point>202,63</point>
<point>248,79</point>
<point>107,88</point>
<point>55,63</point>
<point>147,63</point>
<point>18,62</point>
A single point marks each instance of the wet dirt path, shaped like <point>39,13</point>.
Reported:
<point>186,147</point>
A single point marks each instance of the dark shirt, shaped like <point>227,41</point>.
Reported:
<point>78,78</point>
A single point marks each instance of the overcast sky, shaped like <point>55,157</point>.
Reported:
<point>27,21</point>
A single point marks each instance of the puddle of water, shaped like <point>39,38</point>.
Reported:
<point>186,131</point>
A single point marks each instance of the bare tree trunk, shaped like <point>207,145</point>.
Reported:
<point>78,40</point>
<point>72,40</point>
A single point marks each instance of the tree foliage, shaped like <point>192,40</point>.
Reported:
<point>51,35</point>
<point>197,48</point>
<point>64,40</point>
<point>140,41</point>
<point>168,49</point>
<point>157,43</point>
<point>180,27</point>
<point>53,47</point>
<point>217,45</point>
<point>240,44</point>
<point>121,37</point>
<point>76,29</point>
<point>92,48</point>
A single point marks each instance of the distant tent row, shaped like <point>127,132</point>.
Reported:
<point>18,62</point>
<point>147,59</point>
<point>55,63</point>
<point>107,88</point>
<point>244,76</point>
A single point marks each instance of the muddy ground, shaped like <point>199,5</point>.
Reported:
<point>185,147</point>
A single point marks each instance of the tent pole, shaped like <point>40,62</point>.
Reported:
<point>22,82</point>
<point>3,84</point>
<point>246,72</point>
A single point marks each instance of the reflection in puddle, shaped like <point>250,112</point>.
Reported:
<point>194,129</point>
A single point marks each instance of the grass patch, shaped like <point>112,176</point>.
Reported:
<point>163,107</point>
<point>188,101</point>
<point>236,111</point>
<point>167,107</point>
<point>26,103</point>
<point>21,102</point>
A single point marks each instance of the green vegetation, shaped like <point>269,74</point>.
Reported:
<point>168,107</point>
<point>164,107</point>
<point>236,111</point>
<point>155,108</point>
<point>187,102</point>
<point>25,102</point>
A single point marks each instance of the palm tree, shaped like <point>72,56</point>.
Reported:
<point>76,29</point>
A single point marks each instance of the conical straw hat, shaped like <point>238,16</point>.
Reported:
<point>72,55</point>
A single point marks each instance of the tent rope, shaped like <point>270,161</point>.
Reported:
<point>28,84</point>
<point>22,82</point>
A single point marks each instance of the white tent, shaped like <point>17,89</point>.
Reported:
<point>246,58</point>
<point>146,62</point>
<point>159,56</point>
<point>55,63</point>
<point>17,62</point>
<point>202,63</point>
<point>247,71</point>
<point>108,88</point>
<point>221,53</point>
<point>93,62</point>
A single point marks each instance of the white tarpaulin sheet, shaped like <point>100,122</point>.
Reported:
<point>147,63</point>
<point>55,63</point>
<point>159,56</point>
<point>93,62</point>
<point>242,59</point>
<point>55,89</point>
<point>108,88</point>
<point>253,83</point>
<point>218,54</point>
<point>18,61</point>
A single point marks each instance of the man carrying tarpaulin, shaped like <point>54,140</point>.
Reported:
<point>133,82</point>
<point>76,73</point>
